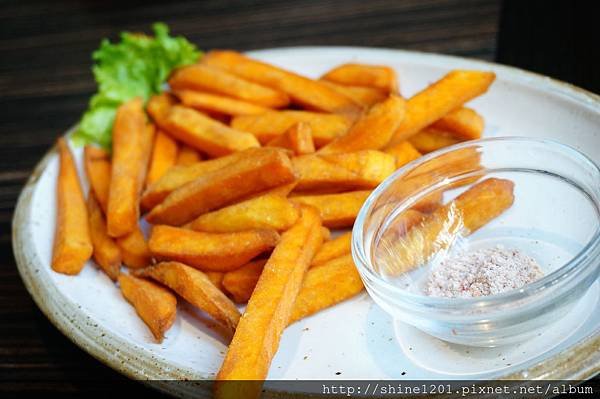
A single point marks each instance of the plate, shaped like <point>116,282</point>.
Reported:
<point>353,340</point>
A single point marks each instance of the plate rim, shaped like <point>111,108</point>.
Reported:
<point>578,362</point>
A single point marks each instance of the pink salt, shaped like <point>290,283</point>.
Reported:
<point>483,272</point>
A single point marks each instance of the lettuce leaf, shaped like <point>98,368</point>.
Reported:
<point>138,65</point>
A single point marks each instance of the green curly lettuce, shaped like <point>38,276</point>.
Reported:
<point>137,66</point>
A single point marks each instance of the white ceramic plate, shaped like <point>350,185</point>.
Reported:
<point>355,339</point>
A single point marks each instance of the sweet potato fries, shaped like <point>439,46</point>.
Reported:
<point>222,188</point>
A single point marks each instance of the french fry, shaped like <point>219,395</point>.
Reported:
<point>407,220</point>
<point>430,203</point>
<point>158,108</point>
<point>219,252</point>
<point>336,210</point>
<point>134,249</point>
<point>270,125</point>
<point>372,166</point>
<point>432,139</point>
<point>146,151</point>
<point>464,123</point>
<point>266,169</point>
<point>355,170</point>
<point>72,241</point>
<point>215,80</point>
<point>283,191</point>
<point>164,155</point>
<point>216,278</point>
<point>196,288</point>
<point>413,184</point>
<point>332,249</point>
<point>297,138</point>
<point>106,252</point>
<point>269,309</point>
<point>241,282</point>
<point>187,156</point>
<point>269,211</point>
<point>327,285</point>
<point>341,245</point>
<point>464,161</point>
<point>97,169</point>
<point>464,215</point>
<point>177,176</point>
<point>366,97</point>
<point>155,305</point>
<point>132,141</point>
<point>442,97</point>
<point>315,173</point>
<point>222,118</point>
<point>215,103</point>
<point>302,91</point>
<point>206,134</point>
<point>373,130</point>
<point>326,233</point>
<point>376,76</point>
<point>401,224</point>
<point>404,152</point>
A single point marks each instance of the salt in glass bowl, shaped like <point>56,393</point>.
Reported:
<point>555,219</point>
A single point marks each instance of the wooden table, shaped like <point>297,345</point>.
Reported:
<point>45,83</point>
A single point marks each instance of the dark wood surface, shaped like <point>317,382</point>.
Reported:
<point>45,82</point>
<point>557,38</point>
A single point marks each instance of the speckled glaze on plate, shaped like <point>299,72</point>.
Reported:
<point>356,338</point>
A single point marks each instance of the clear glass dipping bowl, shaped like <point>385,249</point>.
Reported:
<point>555,218</point>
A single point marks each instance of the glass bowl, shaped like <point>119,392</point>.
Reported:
<point>552,214</point>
